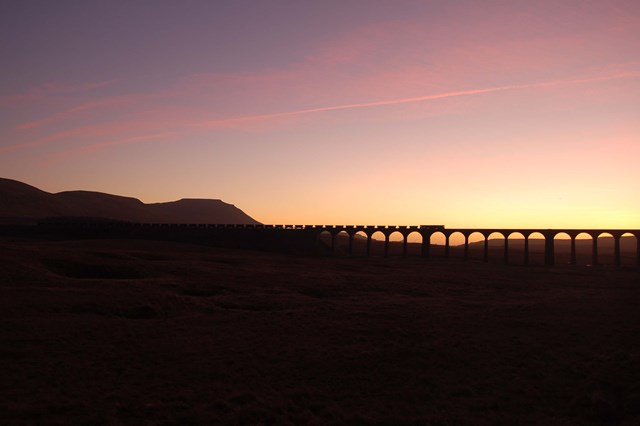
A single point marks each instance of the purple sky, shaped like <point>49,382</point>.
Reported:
<point>463,113</point>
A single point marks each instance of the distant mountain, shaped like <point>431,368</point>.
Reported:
<point>22,203</point>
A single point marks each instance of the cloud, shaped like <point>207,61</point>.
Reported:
<point>91,148</point>
<point>373,66</point>
<point>89,132</point>
<point>77,110</point>
<point>397,59</point>
<point>52,89</point>
<point>175,121</point>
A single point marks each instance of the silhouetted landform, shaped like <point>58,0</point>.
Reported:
<point>22,203</point>
<point>128,332</point>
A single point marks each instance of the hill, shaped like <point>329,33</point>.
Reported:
<point>22,203</point>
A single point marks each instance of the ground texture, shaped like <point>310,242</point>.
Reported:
<point>134,332</point>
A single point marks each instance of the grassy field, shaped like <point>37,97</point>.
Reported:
<point>134,332</point>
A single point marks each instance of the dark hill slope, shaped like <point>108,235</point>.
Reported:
<point>22,203</point>
<point>98,204</point>
<point>190,210</point>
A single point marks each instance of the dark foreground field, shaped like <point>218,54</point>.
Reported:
<point>132,332</point>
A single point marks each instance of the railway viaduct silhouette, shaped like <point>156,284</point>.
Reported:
<point>426,231</point>
<point>307,238</point>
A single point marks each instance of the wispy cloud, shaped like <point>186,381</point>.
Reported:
<point>87,149</point>
<point>89,132</point>
<point>159,122</point>
<point>372,67</point>
<point>74,111</point>
<point>52,89</point>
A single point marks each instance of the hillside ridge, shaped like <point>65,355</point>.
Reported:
<point>24,203</point>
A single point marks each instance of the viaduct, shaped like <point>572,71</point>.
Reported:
<point>426,231</point>
<point>307,238</point>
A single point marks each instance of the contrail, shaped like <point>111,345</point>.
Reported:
<point>415,99</point>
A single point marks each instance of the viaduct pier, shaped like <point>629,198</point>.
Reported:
<point>427,231</point>
<point>309,238</point>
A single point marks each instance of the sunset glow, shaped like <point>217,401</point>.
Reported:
<point>462,113</point>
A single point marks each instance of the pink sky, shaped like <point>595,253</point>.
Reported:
<point>463,113</point>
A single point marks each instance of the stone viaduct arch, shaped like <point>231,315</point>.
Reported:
<point>427,231</point>
<point>368,231</point>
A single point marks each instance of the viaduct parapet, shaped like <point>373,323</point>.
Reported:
<point>307,238</point>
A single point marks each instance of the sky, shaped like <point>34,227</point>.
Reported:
<point>458,113</point>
